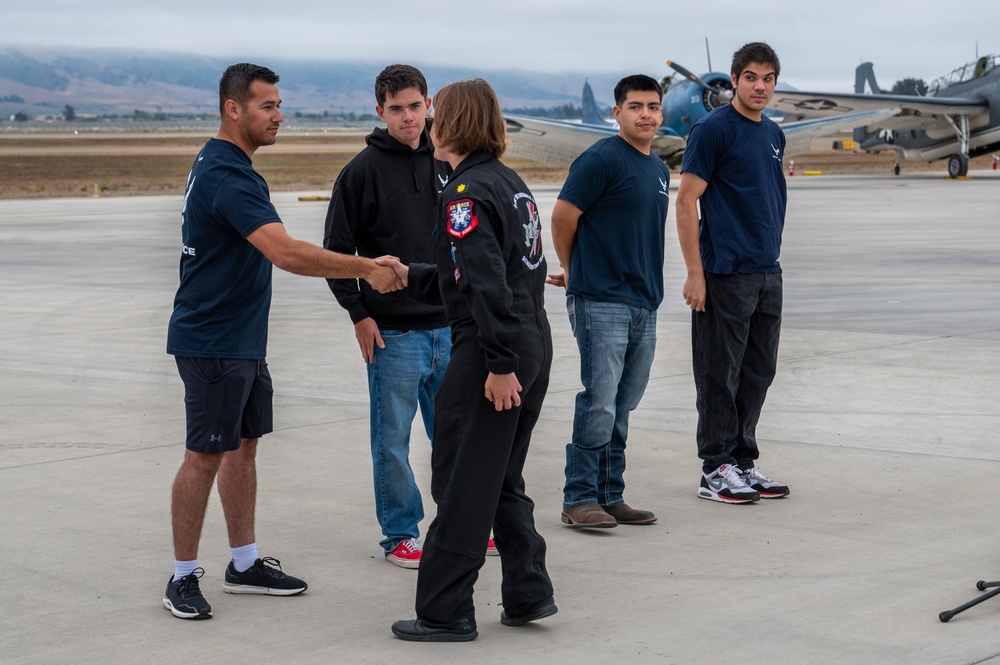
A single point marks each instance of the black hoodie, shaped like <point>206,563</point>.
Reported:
<point>385,201</point>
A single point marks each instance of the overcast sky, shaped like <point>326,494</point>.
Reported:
<point>819,42</point>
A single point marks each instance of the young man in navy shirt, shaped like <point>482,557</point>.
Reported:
<point>732,165</point>
<point>608,232</point>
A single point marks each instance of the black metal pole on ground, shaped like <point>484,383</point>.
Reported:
<point>982,586</point>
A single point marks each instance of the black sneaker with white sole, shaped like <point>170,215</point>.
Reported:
<point>264,577</point>
<point>183,597</point>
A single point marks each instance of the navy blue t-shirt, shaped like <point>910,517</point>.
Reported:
<point>743,207</point>
<point>224,297</point>
<point>618,252</point>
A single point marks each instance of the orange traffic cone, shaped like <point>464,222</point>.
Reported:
<point>791,166</point>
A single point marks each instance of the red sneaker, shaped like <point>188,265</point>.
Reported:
<point>406,554</point>
<point>491,548</point>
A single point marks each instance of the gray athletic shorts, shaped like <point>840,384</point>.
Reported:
<point>226,400</point>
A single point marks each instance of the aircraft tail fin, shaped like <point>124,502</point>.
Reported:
<point>591,115</point>
<point>865,73</point>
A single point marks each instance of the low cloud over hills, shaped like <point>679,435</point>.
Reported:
<point>43,80</point>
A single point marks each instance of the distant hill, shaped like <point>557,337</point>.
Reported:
<point>38,81</point>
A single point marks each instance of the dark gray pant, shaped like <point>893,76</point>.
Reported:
<point>735,353</point>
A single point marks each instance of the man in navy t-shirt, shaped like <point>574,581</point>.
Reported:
<point>218,334</point>
<point>732,165</point>
<point>608,232</point>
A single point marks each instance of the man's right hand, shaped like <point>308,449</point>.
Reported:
<point>695,292</point>
<point>402,271</point>
<point>367,334</point>
<point>557,279</point>
<point>382,275</point>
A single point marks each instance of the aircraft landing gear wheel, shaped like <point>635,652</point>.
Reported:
<point>958,165</point>
<point>895,169</point>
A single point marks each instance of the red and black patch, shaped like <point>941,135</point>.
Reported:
<point>461,220</point>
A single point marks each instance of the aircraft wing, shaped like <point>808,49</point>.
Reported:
<point>799,135</point>
<point>558,142</point>
<point>824,105</point>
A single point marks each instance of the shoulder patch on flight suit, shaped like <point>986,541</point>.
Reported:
<point>461,220</point>
<point>532,231</point>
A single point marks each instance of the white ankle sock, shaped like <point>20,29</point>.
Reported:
<point>244,557</point>
<point>184,568</point>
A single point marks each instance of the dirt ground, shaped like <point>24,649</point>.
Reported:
<point>68,165</point>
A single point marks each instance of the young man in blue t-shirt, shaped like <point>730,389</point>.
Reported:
<point>608,232</point>
<point>231,236</point>
<point>732,165</point>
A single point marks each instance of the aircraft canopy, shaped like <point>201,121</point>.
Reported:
<point>968,72</point>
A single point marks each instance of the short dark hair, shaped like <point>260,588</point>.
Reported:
<point>755,52</point>
<point>467,118</point>
<point>236,80</point>
<point>637,83</point>
<point>395,78</point>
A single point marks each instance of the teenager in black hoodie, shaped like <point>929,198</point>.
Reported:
<point>385,201</point>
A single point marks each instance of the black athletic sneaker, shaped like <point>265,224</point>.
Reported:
<point>183,597</point>
<point>262,577</point>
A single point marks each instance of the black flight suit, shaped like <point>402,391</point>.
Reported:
<point>490,275</point>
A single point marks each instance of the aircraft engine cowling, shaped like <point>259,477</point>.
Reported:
<point>686,100</point>
<point>718,93</point>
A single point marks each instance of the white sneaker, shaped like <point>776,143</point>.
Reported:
<point>767,488</point>
<point>725,485</point>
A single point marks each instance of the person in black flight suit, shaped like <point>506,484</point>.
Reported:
<point>490,275</point>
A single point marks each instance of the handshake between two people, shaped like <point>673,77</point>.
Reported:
<point>388,274</point>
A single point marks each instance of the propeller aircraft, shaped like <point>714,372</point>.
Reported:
<point>687,97</point>
<point>958,118</point>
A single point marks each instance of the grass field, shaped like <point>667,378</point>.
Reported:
<point>67,165</point>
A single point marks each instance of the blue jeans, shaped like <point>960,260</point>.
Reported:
<point>407,372</point>
<point>616,343</point>
<point>735,355</point>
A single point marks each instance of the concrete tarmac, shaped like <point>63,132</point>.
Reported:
<point>883,419</point>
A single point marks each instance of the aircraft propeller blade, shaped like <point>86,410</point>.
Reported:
<point>688,74</point>
<point>718,93</point>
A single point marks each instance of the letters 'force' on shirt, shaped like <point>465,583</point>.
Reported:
<point>618,252</point>
<point>224,296</point>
